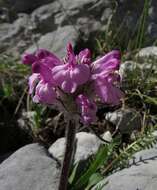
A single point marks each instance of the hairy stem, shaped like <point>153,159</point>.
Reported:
<point>69,149</point>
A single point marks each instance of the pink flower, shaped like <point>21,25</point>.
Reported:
<point>42,62</point>
<point>107,90</point>
<point>44,67</point>
<point>76,75</point>
<point>108,63</point>
<point>105,78</point>
<point>28,58</point>
<point>104,60</point>
<point>87,108</point>
<point>70,75</point>
<point>44,93</point>
<point>42,54</point>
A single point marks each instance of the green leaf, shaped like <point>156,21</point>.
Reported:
<point>93,180</point>
<point>73,174</point>
<point>7,89</point>
<point>99,160</point>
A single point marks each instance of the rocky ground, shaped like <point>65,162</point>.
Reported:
<point>52,24</point>
<point>28,25</point>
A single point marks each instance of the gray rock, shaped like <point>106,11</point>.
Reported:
<point>75,4</point>
<point>130,70</point>
<point>30,168</point>
<point>144,156</point>
<point>4,27</point>
<point>127,68</point>
<point>127,120</point>
<point>142,176</point>
<point>16,27</point>
<point>147,58</point>
<point>87,17</point>
<point>83,15</point>
<point>44,17</point>
<point>56,41</point>
<point>139,68</point>
<point>11,34</point>
<point>87,145</point>
<point>147,52</point>
<point>60,21</point>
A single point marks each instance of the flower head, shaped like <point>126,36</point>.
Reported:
<point>75,81</point>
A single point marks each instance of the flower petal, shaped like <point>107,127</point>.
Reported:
<point>107,92</point>
<point>69,86</point>
<point>80,73</point>
<point>106,67</point>
<point>28,58</point>
<point>115,54</point>
<point>85,56</point>
<point>33,79</point>
<point>45,93</point>
<point>43,53</point>
<point>44,71</point>
<point>60,74</point>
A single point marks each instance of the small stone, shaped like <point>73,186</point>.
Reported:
<point>107,136</point>
<point>87,145</point>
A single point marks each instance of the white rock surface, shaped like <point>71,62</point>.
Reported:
<point>87,145</point>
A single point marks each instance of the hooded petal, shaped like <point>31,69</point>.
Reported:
<point>50,61</point>
<point>80,73</point>
<point>85,56</point>
<point>60,74</point>
<point>43,53</point>
<point>44,67</point>
<point>108,92</point>
<point>115,54</point>
<point>106,67</point>
<point>44,71</point>
<point>28,58</point>
<point>45,93</point>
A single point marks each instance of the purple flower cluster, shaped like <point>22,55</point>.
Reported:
<point>77,77</point>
